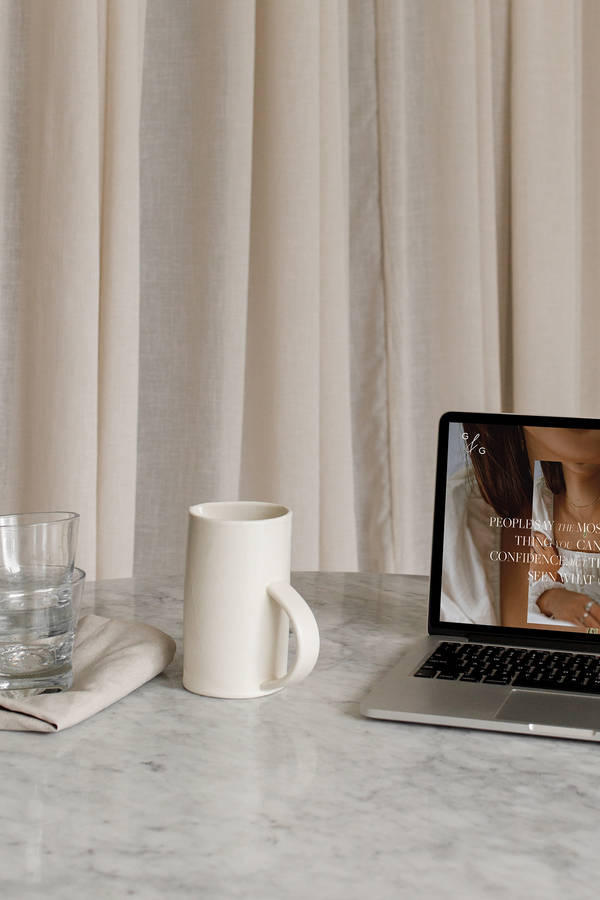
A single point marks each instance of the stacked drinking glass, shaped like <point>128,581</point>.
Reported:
<point>40,599</point>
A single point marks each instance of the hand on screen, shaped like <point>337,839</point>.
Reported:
<point>559,603</point>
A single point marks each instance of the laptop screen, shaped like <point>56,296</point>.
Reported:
<point>517,525</point>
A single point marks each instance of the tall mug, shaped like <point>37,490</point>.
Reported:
<point>237,601</point>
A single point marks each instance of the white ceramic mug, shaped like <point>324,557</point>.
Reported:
<point>237,600</point>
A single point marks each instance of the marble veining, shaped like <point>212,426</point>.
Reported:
<point>167,794</point>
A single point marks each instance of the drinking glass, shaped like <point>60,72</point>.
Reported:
<point>40,599</point>
<point>37,549</point>
<point>37,631</point>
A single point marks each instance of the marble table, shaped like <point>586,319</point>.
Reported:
<point>167,794</point>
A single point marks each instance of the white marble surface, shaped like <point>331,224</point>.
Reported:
<point>167,794</point>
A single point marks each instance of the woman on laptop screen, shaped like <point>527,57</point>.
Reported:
<point>522,529</point>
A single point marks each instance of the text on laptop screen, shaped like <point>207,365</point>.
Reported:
<point>522,527</point>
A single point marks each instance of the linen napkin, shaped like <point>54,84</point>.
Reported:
<point>111,658</point>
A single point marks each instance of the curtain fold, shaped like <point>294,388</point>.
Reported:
<point>437,197</point>
<point>121,40</point>
<point>70,204</point>
<point>369,378</point>
<point>338,548</point>
<point>280,448</point>
<point>196,189</point>
<point>54,421</point>
<point>546,205</point>
<point>587,33</point>
<point>254,249</point>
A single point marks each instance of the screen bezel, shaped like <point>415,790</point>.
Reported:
<point>435,625</point>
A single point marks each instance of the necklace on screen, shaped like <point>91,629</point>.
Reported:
<point>585,530</point>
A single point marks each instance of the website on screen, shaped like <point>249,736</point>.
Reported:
<point>522,527</point>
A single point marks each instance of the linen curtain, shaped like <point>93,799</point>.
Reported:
<point>254,249</point>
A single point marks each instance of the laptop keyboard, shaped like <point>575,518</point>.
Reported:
<point>517,666</point>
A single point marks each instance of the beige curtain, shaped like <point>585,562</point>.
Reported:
<point>255,249</point>
<point>69,258</point>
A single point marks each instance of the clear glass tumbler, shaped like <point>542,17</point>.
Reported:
<point>37,631</point>
<point>37,549</point>
<point>40,599</point>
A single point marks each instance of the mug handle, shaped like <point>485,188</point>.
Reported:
<point>306,630</point>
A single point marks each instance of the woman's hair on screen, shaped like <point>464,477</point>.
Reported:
<point>554,476</point>
<point>502,471</point>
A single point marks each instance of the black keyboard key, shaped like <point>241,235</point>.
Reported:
<point>426,672</point>
<point>528,679</point>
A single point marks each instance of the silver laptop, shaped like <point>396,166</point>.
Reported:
<point>513,639</point>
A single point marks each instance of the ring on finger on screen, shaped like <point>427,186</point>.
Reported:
<point>591,618</point>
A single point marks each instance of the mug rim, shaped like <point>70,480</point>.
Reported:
<point>198,511</point>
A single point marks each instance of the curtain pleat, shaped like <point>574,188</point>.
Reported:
<point>56,328</point>
<point>280,449</point>
<point>370,418</point>
<point>121,38</point>
<point>337,543</point>
<point>196,185</point>
<point>587,34</point>
<point>546,206</point>
<point>437,190</point>
<point>13,67</point>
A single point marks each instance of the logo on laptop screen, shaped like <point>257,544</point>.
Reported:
<point>473,445</point>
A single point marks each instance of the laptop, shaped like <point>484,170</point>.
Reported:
<point>513,637</point>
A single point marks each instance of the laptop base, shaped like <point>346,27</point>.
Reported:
<point>401,697</point>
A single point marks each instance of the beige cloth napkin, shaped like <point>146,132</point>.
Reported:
<point>111,658</point>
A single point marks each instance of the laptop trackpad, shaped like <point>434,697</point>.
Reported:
<point>551,709</point>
